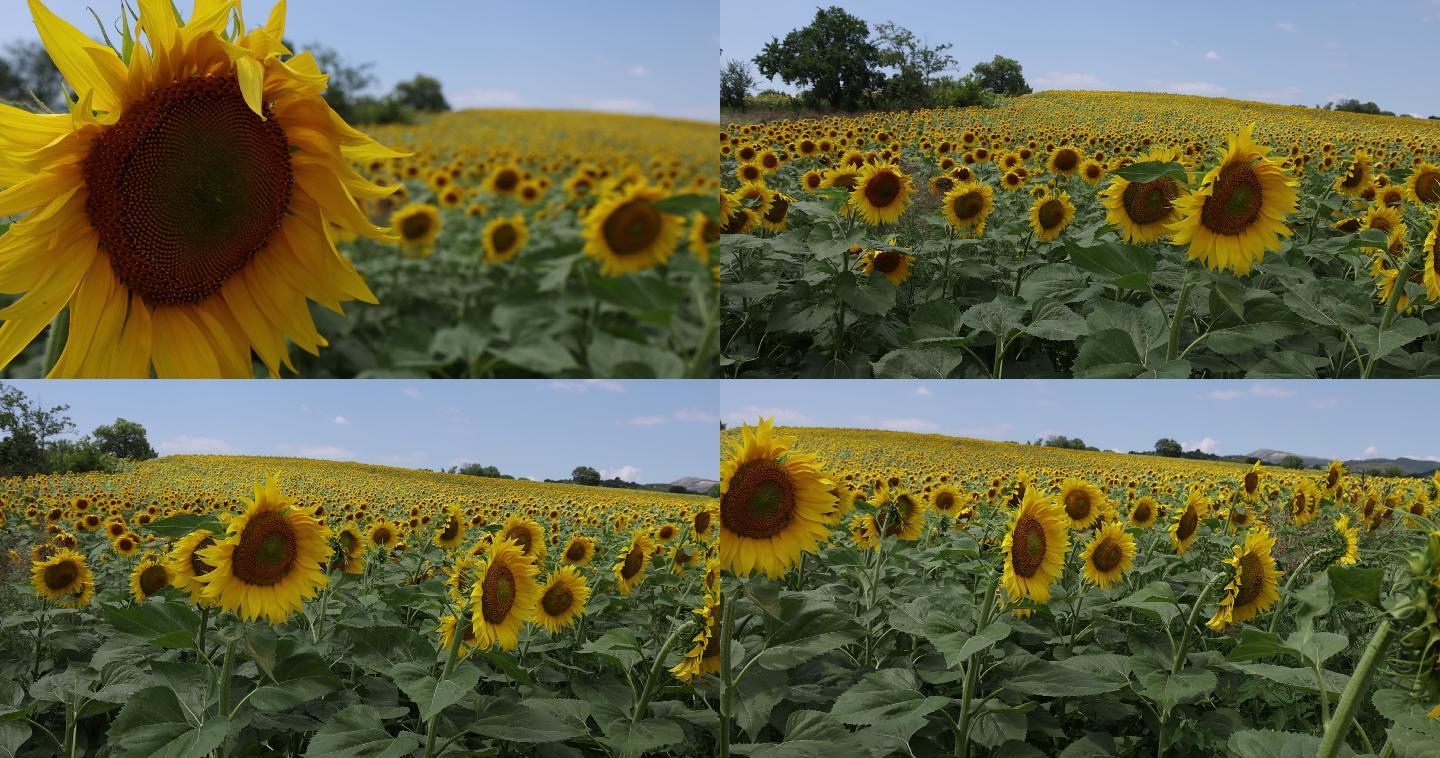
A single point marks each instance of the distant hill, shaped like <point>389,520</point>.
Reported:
<point>1410,466</point>
<point>692,483</point>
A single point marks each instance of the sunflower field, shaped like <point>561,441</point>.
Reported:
<point>212,211</point>
<point>1084,234</point>
<point>904,594</point>
<point>200,605</point>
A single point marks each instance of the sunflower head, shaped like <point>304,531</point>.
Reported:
<point>626,232</point>
<point>880,194</point>
<point>1034,548</point>
<point>503,597</point>
<point>1109,554</point>
<point>563,596</point>
<point>1253,585</point>
<point>774,504</point>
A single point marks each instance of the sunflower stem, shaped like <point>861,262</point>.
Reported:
<point>1391,305</point>
<point>1184,646</point>
<point>55,340</point>
<point>456,638</point>
<point>1285,591</point>
<point>727,676</point>
<point>643,703</point>
<point>39,641</point>
<point>1173,351</point>
<point>223,684</point>
<point>200,638</point>
<point>972,671</point>
<point>1354,694</point>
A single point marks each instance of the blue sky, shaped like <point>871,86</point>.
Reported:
<point>647,431</point>
<point>636,56</point>
<point>1294,52</point>
<point>1336,418</point>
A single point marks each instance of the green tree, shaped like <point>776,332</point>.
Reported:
<point>917,64</point>
<point>736,82</point>
<point>1001,75</point>
<point>27,76</point>
<point>124,439</point>
<point>833,57</point>
<point>26,429</point>
<point>423,93</point>
<point>1168,448</point>
<point>585,475</point>
<point>1292,462</point>
<point>475,469</point>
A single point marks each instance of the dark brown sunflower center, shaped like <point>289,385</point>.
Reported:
<point>498,593</point>
<point>886,262</point>
<point>1331,478</point>
<point>760,500</point>
<point>1252,482</point>
<point>415,227</point>
<point>632,227</point>
<point>521,536</point>
<point>882,189</point>
<point>1107,556</point>
<point>153,579</point>
<point>1142,512</point>
<point>969,205</point>
<point>1250,574</point>
<point>710,232</point>
<point>576,552</point>
<point>778,209</point>
<point>267,549</point>
<point>198,566</point>
<point>1189,521</point>
<point>186,188</point>
<point>1235,200</point>
<point>1027,546</point>
<point>1051,214</point>
<point>61,575</point>
<point>750,172</point>
<point>634,561</point>
<point>506,180</point>
<point>1066,160</point>
<point>943,184</point>
<point>1077,505</point>
<point>702,522</point>
<point>452,529</point>
<point>1355,175</point>
<point>557,600</point>
<point>944,501</point>
<point>1427,187</point>
<point>1148,202</point>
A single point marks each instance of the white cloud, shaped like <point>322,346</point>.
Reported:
<point>627,473</point>
<point>896,424</point>
<point>1254,390</point>
<point>1325,402</point>
<point>341,420</point>
<point>1371,451</point>
<point>1431,458</point>
<point>410,392</point>
<point>585,385</point>
<point>1224,394</point>
<point>1204,445</point>
<point>1068,80</point>
<point>491,98</point>
<point>923,391</point>
<point>752,413</point>
<point>1212,56</point>
<point>639,71</point>
<point>684,414</point>
<point>1285,26</point>
<point>187,445</point>
<point>613,104</point>
<point>324,452</point>
<point>1208,89</point>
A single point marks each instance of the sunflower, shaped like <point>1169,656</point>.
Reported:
<point>418,225</point>
<point>703,524</point>
<point>1239,210</point>
<point>562,599</point>
<point>703,657</point>
<point>627,233</point>
<point>1050,214</point>
<point>460,576</point>
<point>905,517</point>
<point>1065,161</point>
<point>1253,587</point>
<point>504,238</point>
<point>969,204</point>
<point>894,264</point>
<point>1431,262</point>
<point>1143,512</point>
<point>1083,502</point>
<point>349,551</point>
<point>1351,537</point>
<point>504,596</point>
<point>504,180</point>
<point>61,577</point>
<point>384,533</point>
<point>1423,186</point>
<point>1109,554</point>
<point>273,557</point>
<point>149,577</point>
<point>773,503</point>
<point>775,219</point>
<point>1092,172</point>
<point>126,545</point>
<point>630,569</point>
<point>881,193</point>
<point>1250,483</point>
<point>1356,177</point>
<point>1034,548</point>
<point>1142,211</point>
<point>578,551</point>
<point>193,190</point>
<point>451,532</point>
<point>1334,476</point>
<point>1186,526</point>
<point>527,534</point>
<point>704,234</point>
<point>945,499</point>
<point>446,630</point>
<point>864,531</point>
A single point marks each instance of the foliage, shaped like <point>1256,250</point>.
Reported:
<point>124,439</point>
<point>423,93</point>
<point>1001,75</point>
<point>736,81</point>
<point>834,57</point>
<point>585,475</point>
<point>28,79</point>
<point>28,429</point>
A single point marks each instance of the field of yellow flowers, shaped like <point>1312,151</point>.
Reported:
<point>927,595</point>
<point>1085,234</point>
<point>265,606</point>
